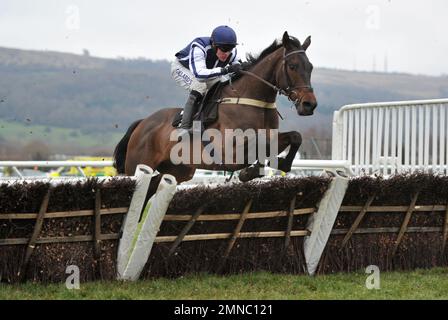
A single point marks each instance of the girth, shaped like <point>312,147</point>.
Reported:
<point>249,102</point>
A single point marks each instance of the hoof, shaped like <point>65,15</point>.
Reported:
<point>250,173</point>
<point>283,166</point>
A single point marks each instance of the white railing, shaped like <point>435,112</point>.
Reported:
<point>303,167</point>
<point>392,137</point>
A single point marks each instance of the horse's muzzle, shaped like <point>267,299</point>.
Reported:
<point>306,108</point>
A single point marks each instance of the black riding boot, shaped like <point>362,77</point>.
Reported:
<point>190,109</point>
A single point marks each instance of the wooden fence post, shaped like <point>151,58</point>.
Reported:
<point>404,226</point>
<point>290,221</point>
<point>445,231</point>
<point>185,230</point>
<point>235,234</point>
<point>36,231</point>
<point>97,231</point>
<point>358,220</point>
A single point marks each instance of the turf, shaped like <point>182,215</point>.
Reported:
<point>419,284</point>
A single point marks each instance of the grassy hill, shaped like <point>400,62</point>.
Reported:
<point>26,141</point>
<point>92,94</point>
<point>27,133</point>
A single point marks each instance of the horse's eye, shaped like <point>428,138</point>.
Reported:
<point>293,67</point>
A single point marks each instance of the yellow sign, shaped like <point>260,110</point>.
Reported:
<point>88,171</point>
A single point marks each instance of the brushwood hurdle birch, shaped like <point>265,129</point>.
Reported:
<point>133,254</point>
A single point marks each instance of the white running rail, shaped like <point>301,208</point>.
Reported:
<point>15,165</point>
<point>392,137</point>
<point>200,177</point>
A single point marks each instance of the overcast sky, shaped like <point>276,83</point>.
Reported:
<point>397,35</point>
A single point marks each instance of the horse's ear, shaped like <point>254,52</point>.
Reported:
<point>285,39</point>
<point>307,43</point>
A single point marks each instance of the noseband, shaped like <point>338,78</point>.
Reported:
<point>289,89</point>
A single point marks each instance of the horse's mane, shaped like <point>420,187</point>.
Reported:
<point>252,60</point>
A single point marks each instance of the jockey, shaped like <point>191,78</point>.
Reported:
<point>201,64</point>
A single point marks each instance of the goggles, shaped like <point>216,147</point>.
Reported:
<point>225,47</point>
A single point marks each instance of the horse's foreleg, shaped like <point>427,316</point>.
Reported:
<point>251,172</point>
<point>293,139</point>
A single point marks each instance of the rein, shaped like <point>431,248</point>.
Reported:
<point>275,88</point>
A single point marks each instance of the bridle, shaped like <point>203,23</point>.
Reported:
<point>289,89</point>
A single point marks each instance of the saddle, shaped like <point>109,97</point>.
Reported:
<point>208,110</point>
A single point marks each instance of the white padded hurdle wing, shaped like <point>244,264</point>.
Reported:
<point>321,223</point>
<point>143,174</point>
<point>151,225</point>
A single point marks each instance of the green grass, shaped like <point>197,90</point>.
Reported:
<point>420,284</point>
<point>27,132</point>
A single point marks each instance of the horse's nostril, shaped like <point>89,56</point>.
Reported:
<point>309,105</point>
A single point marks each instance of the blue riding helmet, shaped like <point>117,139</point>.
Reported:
<point>224,36</point>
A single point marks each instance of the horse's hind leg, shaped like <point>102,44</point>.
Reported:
<point>155,180</point>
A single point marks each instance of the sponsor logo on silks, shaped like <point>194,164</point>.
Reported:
<point>184,76</point>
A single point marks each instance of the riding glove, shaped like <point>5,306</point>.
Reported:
<point>232,68</point>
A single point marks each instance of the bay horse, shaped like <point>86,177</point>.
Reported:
<point>282,68</point>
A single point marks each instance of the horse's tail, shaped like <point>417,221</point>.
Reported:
<point>121,148</point>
